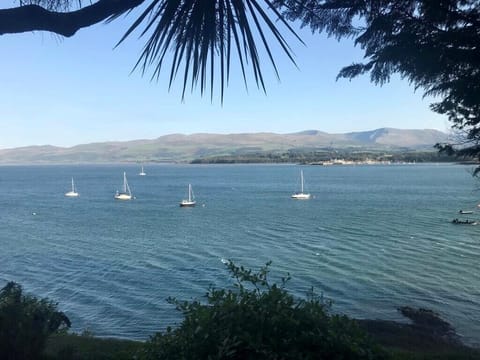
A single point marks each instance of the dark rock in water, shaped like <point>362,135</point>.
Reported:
<point>426,332</point>
<point>429,321</point>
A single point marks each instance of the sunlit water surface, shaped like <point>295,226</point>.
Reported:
<point>373,238</point>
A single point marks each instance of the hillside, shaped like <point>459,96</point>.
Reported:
<point>183,148</point>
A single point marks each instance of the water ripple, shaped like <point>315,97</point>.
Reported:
<point>372,239</point>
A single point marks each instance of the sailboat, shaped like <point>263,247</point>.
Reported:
<point>73,192</point>
<point>125,194</point>
<point>301,195</point>
<point>191,199</point>
<point>142,173</point>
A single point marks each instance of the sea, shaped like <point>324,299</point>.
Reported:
<point>371,239</point>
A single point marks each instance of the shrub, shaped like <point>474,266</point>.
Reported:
<point>26,322</point>
<point>258,320</point>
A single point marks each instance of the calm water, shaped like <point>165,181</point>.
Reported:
<point>373,238</point>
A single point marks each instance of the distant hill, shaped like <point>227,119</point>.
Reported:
<point>182,148</point>
<point>399,138</point>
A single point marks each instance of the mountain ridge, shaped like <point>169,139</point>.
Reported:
<point>186,147</point>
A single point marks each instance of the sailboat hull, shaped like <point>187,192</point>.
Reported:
<point>187,203</point>
<point>123,197</point>
<point>71,194</point>
<point>301,196</point>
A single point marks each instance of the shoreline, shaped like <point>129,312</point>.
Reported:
<point>426,337</point>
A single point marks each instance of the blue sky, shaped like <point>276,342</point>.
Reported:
<point>65,92</point>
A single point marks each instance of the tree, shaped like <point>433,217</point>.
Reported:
<point>260,320</point>
<point>197,33</point>
<point>26,322</point>
<point>434,44</point>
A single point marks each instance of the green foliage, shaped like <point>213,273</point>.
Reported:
<point>258,320</point>
<point>26,322</point>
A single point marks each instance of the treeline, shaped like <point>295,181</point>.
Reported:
<point>319,156</point>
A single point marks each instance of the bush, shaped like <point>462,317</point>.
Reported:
<point>26,322</point>
<point>257,320</point>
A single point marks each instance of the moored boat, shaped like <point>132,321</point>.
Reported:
<point>190,202</point>
<point>73,192</point>
<point>301,195</point>
<point>125,194</point>
<point>464,222</point>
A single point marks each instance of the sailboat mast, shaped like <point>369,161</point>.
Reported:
<point>301,176</point>
<point>189,192</point>
<point>73,186</point>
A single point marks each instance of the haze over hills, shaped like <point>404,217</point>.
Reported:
<point>183,148</point>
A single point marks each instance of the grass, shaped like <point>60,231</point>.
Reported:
<point>86,347</point>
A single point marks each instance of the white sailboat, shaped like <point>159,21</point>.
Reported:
<point>191,199</point>
<point>73,192</point>
<point>142,173</point>
<point>125,194</point>
<point>301,195</point>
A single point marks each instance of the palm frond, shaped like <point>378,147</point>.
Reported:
<point>202,36</point>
